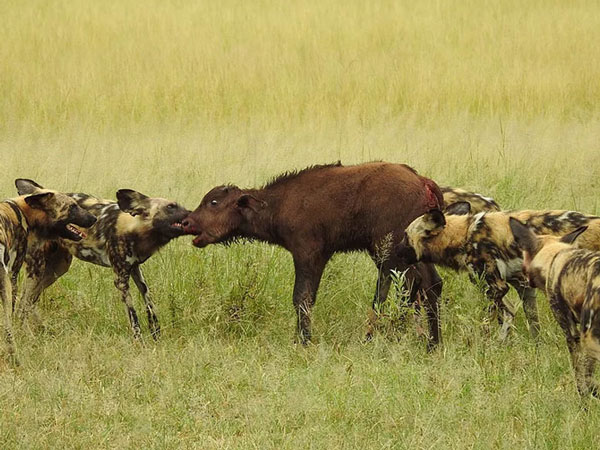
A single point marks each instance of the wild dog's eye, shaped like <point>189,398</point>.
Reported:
<point>213,202</point>
<point>171,206</point>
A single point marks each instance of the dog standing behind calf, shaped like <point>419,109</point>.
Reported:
<point>483,244</point>
<point>571,279</point>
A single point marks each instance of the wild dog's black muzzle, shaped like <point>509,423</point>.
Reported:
<point>86,220</point>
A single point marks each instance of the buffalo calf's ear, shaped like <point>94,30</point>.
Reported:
<point>26,186</point>
<point>459,209</point>
<point>247,201</point>
<point>570,238</point>
<point>524,237</point>
<point>39,201</point>
<point>130,201</point>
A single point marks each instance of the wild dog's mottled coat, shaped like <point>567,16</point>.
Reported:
<point>126,234</point>
<point>48,213</point>
<point>571,279</point>
<point>484,244</point>
<point>478,202</point>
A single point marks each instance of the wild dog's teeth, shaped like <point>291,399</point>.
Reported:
<point>77,231</point>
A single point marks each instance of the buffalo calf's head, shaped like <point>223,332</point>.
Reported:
<point>224,213</point>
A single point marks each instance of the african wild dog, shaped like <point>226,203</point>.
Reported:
<point>125,235</point>
<point>47,213</point>
<point>483,244</point>
<point>571,279</point>
<point>478,202</point>
<point>321,210</point>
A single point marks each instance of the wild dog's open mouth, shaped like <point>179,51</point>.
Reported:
<point>74,233</point>
<point>178,226</point>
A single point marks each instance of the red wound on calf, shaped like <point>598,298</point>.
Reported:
<point>433,200</point>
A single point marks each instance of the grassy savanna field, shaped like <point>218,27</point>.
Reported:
<point>172,98</point>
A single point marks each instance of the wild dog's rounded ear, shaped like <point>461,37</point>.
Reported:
<point>249,201</point>
<point>39,201</point>
<point>130,201</point>
<point>26,186</point>
<point>458,209</point>
<point>437,217</point>
<point>570,238</point>
<point>524,237</point>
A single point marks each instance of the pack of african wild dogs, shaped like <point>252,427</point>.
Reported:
<point>314,213</point>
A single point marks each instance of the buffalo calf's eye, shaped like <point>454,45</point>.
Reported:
<point>213,202</point>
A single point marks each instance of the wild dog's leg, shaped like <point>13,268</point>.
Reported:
<point>138,278</point>
<point>592,386</point>
<point>482,267</point>
<point>528,297</point>
<point>32,286</point>
<point>529,300</point>
<point>43,266</point>
<point>497,289</point>
<point>13,286</point>
<point>308,277</point>
<point>579,361</point>
<point>7,300</point>
<point>119,251</point>
<point>565,319</point>
<point>122,284</point>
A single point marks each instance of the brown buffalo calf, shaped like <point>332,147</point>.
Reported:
<point>322,210</point>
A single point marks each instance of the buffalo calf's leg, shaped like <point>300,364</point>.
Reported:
<point>308,277</point>
<point>382,289</point>
<point>431,292</point>
<point>138,278</point>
